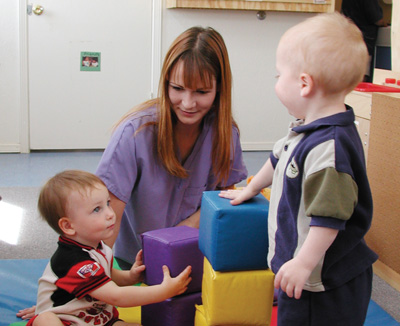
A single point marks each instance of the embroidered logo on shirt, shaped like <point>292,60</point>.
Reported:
<point>96,309</point>
<point>88,270</point>
<point>292,170</point>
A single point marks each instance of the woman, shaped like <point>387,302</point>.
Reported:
<point>165,152</point>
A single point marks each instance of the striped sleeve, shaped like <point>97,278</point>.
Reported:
<point>83,278</point>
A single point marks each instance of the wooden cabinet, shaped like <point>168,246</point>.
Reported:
<point>267,5</point>
<point>384,176</point>
<point>378,123</point>
<point>361,102</point>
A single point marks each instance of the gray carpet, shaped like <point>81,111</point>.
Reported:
<point>36,240</point>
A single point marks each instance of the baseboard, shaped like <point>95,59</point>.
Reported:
<point>257,146</point>
<point>10,148</point>
<point>387,274</point>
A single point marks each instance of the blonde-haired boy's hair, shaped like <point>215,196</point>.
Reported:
<point>53,197</point>
<point>330,48</point>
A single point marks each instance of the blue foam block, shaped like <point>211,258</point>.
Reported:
<point>234,237</point>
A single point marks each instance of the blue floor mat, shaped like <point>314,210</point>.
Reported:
<point>376,316</point>
<point>18,288</point>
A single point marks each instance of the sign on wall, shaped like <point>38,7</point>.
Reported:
<point>90,61</point>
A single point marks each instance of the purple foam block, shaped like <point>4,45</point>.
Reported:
<point>176,247</point>
<point>177,311</point>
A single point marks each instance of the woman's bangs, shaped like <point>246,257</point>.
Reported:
<point>197,72</point>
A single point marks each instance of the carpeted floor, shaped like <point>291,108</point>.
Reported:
<point>24,234</point>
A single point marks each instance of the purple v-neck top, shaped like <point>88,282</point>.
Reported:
<point>155,199</point>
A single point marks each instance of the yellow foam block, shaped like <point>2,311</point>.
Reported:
<point>200,319</point>
<point>266,192</point>
<point>130,315</point>
<point>237,298</point>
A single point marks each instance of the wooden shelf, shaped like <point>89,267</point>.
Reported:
<point>265,5</point>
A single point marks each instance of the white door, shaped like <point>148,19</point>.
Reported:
<point>74,109</point>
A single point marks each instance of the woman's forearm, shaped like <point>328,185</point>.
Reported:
<point>192,221</point>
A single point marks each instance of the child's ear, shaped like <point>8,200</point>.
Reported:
<point>307,84</point>
<point>66,227</point>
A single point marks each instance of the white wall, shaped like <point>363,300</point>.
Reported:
<point>9,77</point>
<point>251,45</point>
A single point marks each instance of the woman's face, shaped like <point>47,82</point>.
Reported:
<point>190,105</point>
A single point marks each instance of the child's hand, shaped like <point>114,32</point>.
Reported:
<point>291,278</point>
<point>26,313</point>
<point>136,272</point>
<point>176,285</point>
<point>237,196</point>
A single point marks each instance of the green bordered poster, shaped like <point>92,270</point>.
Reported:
<point>90,61</point>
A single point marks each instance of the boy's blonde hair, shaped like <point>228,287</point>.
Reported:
<point>330,48</point>
<point>54,195</point>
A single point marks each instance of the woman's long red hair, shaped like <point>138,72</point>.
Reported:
<point>204,56</point>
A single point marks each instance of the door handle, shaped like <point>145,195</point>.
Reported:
<point>36,9</point>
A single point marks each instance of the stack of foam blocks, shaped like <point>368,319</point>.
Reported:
<point>237,287</point>
<point>231,283</point>
<point>175,247</point>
